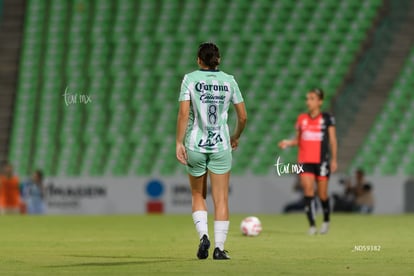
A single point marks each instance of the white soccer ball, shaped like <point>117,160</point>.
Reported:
<point>251,226</point>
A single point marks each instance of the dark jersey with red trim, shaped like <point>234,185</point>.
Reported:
<point>314,137</point>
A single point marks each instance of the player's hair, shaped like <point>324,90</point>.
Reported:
<point>209,53</point>
<point>360,171</point>
<point>318,92</point>
<point>4,163</point>
<point>39,173</point>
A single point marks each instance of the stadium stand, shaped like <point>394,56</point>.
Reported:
<point>367,88</point>
<point>389,146</point>
<point>129,57</point>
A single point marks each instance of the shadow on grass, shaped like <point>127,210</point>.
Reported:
<point>100,256</point>
<point>138,261</point>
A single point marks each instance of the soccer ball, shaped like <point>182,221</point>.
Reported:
<point>251,226</point>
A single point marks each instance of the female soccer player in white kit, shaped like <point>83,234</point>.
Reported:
<point>204,144</point>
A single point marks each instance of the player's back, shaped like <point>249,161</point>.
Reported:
<point>210,93</point>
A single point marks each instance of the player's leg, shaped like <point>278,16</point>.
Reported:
<point>323,196</point>
<point>219,192</point>
<point>197,173</point>
<point>322,182</point>
<point>199,206</point>
<point>307,180</point>
<point>219,167</point>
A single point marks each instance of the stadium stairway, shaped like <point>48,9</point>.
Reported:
<point>362,74</point>
<point>376,96</point>
<point>11,26</point>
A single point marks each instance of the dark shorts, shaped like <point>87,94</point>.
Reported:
<point>319,171</point>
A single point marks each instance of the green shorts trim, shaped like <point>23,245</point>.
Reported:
<point>217,162</point>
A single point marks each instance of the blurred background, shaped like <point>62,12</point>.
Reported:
<point>89,89</point>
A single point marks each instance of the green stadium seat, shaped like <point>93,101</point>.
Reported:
<point>118,52</point>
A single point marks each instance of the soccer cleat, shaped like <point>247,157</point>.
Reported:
<point>312,231</point>
<point>220,255</point>
<point>324,228</point>
<point>203,248</point>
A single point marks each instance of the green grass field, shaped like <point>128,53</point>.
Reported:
<point>158,245</point>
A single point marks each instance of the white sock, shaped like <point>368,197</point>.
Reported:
<point>200,222</point>
<point>220,233</point>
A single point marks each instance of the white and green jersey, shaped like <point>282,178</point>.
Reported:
<point>210,93</point>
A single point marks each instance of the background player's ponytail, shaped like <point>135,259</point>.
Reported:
<point>209,53</point>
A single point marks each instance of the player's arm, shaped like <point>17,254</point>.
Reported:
<point>290,143</point>
<point>334,148</point>
<point>240,125</point>
<point>182,121</point>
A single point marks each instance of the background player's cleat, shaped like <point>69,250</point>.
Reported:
<point>203,248</point>
<point>312,231</point>
<point>220,255</point>
<point>324,228</point>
